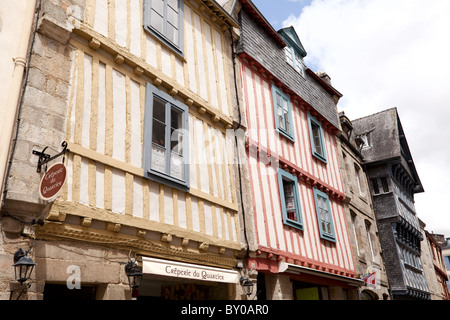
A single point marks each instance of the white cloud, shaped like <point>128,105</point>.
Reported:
<point>382,54</point>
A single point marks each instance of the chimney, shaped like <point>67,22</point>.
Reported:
<point>324,76</point>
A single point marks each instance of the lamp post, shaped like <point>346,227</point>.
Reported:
<point>134,274</point>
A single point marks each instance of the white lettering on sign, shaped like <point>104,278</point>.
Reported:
<point>188,271</point>
<point>52,181</point>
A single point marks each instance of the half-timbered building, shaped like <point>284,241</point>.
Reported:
<point>141,92</point>
<point>303,247</point>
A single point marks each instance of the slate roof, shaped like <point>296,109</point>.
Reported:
<point>387,140</point>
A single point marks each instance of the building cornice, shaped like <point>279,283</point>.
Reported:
<point>163,241</point>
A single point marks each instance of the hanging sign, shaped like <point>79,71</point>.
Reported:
<point>52,181</point>
<point>371,276</point>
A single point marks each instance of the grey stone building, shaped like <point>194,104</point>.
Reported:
<point>361,220</point>
<point>394,181</point>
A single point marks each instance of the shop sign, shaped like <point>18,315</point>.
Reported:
<point>188,271</point>
<point>52,181</point>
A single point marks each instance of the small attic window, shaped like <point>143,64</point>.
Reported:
<point>294,58</point>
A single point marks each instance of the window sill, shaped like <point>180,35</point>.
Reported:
<point>293,224</point>
<point>328,238</point>
<point>319,157</point>
<point>286,135</point>
<point>167,180</point>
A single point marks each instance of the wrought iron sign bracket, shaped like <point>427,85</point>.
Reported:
<point>44,158</point>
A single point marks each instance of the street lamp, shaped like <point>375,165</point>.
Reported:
<point>23,266</point>
<point>247,285</point>
<point>134,274</point>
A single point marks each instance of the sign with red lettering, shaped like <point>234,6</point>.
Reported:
<point>52,181</point>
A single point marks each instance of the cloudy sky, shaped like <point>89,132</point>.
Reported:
<point>382,54</point>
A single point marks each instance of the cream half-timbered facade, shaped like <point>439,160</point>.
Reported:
<point>105,122</point>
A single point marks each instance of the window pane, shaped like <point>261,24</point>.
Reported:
<point>280,117</point>
<point>286,121</point>
<point>176,166</point>
<point>158,6</point>
<point>176,135</point>
<point>157,21</point>
<point>159,110</point>
<point>384,183</point>
<point>290,203</point>
<point>176,118</point>
<point>285,106</point>
<point>316,139</point>
<point>176,142</point>
<point>374,182</point>
<point>172,34</point>
<point>172,17</point>
<point>159,133</point>
<point>173,4</point>
<point>289,198</point>
<point>287,51</point>
<point>328,227</point>
<point>278,100</point>
<point>324,215</point>
<point>292,215</point>
<point>158,158</point>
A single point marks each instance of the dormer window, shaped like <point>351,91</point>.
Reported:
<point>294,50</point>
<point>365,141</point>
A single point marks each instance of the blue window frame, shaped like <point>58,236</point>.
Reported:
<point>324,215</point>
<point>166,139</point>
<point>283,116</point>
<point>164,19</point>
<point>290,201</point>
<point>316,136</point>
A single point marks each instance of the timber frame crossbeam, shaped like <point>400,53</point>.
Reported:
<point>141,68</point>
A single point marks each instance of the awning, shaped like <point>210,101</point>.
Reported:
<point>188,271</point>
<point>296,269</point>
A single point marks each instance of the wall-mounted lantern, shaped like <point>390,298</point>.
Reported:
<point>134,274</point>
<point>247,285</point>
<point>23,266</point>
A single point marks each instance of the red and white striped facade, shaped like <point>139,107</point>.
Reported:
<point>267,150</point>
